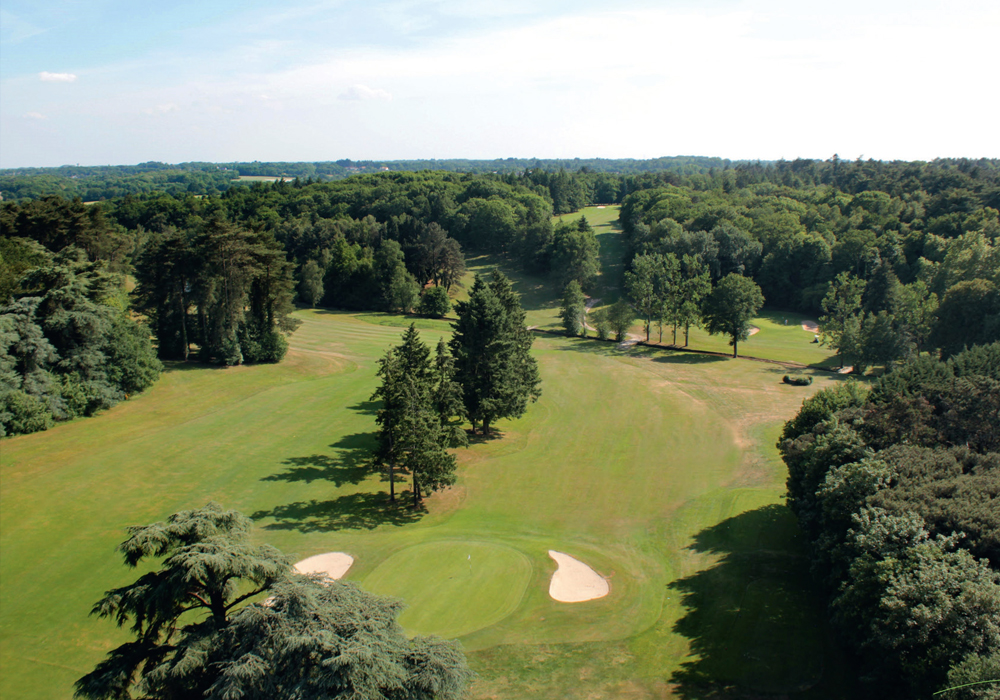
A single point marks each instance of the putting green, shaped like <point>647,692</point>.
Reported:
<point>453,588</point>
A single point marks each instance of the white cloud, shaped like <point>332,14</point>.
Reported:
<point>761,78</point>
<point>57,77</point>
<point>35,116</point>
<point>363,92</point>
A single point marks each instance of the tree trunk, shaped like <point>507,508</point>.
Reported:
<point>735,345</point>
<point>486,426</point>
<point>392,484</point>
<point>416,490</point>
<point>675,334</point>
<point>687,334</point>
<point>184,330</point>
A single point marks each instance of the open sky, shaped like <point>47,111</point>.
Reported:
<point>111,82</point>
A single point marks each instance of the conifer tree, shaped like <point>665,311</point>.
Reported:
<point>492,350</point>
<point>574,309</point>
<point>310,638</point>
<point>416,419</point>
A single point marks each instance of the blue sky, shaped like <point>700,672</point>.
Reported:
<point>108,82</point>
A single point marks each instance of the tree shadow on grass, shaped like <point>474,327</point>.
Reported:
<point>355,511</point>
<point>351,464</point>
<point>479,439</point>
<point>535,291</point>
<point>755,619</point>
<point>368,408</point>
<point>689,358</point>
<point>190,366</point>
<point>596,346</point>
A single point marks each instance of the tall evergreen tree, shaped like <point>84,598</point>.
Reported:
<point>390,417</point>
<point>492,349</point>
<point>416,417</point>
<point>447,396</point>
<point>574,310</point>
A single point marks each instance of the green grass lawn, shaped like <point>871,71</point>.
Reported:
<point>655,467</point>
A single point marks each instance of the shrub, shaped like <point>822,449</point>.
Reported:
<point>22,413</point>
<point>797,380</point>
<point>434,303</point>
<point>601,324</point>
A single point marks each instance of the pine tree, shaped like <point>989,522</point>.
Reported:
<point>492,350</point>
<point>448,398</point>
<point>416,418</point>
<point>388,453</point>
<point>574,309</point>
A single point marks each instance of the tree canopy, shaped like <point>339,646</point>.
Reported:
<point>896,490</point>
<point>730,306</point>
<point>197,635</point>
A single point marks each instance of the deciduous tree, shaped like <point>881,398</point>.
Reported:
<point>730,306</point>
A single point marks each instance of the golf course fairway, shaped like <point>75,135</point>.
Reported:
<point>657,468</point>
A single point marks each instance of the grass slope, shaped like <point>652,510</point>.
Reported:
<point>654,467</point>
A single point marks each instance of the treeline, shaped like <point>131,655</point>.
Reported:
<point>897,490</point>
<point>375,241</point>
<point>68,344</point>
<point>223,288</point>
<point>93,183</point>
<point>896,258</point>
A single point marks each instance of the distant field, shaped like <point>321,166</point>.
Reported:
<point>262,178</point>
<point>656,468</point>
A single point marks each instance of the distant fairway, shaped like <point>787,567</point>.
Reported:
<point>654,467</point>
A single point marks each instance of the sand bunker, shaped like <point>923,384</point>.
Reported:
<point>333,564</point>
<point>574,581</point>
<point>754,330</point>
<point>810,326</point>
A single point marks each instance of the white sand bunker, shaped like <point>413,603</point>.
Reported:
<point>754,330</point>
<point>810,326</point>
<point>574,581</point>
<point>333,564</point>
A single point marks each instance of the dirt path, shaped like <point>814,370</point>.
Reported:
<point>630,338</point>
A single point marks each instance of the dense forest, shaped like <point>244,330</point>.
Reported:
<point>897,489</point>
<point>101,182</point>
